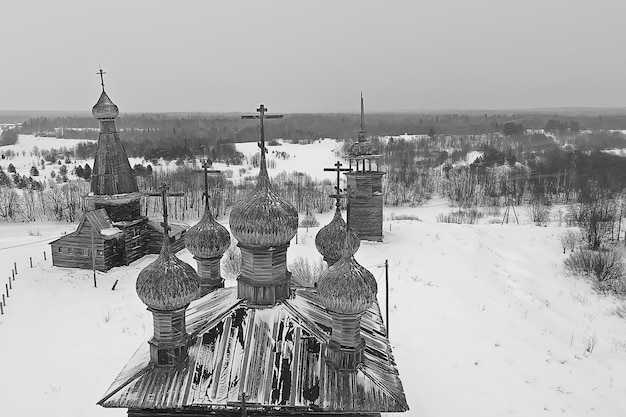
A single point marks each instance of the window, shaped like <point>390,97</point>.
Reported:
<point>99,252</point>
<point>60,249</point>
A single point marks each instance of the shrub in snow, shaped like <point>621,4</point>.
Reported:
<point>34,172</point>
<point>307,271</point>
<point>11,168</point>
<point>460,217</point>
<point>309,221</point>
<point>568,240</point>
<point>231,262</point>
<point>605,267</point>
<point>539,212</point>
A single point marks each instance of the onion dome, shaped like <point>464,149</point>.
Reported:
<point>331,239</point>
<point>264,219</point>
<point>208,238</point>
<point>168,283</point>
<point>347,287</point>
<point>105,108</point>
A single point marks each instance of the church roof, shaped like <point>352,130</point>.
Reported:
<point>276,356</point>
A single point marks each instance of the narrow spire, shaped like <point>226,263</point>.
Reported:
<point>362,113</point>
<point>361,137</point>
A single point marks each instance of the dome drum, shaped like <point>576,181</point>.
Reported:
<point>344,358</point>
<point>263,294</point>
<point>210,274</point>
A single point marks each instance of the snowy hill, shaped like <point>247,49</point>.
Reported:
<point>482,319</point>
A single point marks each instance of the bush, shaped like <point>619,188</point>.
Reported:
<point>231,262</point>
<point>11,168</point>
<point>605,267</point>
<point>309,221</point>
<point>460,217</point>
<point>568,240</point>
<point>404,216</point>
<point>306,271</point>
<point>34,172</point>
<point>539,212</point>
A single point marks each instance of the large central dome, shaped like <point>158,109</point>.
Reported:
<point>264,219</point>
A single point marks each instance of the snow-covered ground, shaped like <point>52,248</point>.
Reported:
<point>482,319</point>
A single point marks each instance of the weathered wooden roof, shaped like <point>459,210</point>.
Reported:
<point>101,223</point>
<point>235,349</point>
<point>175,228</point>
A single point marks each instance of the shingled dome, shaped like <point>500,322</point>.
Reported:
<point>105,108</point>
<point>208,238</point>
<point>264,219</point>
<point>346,287</point>
<point>168,283</point>
<point>330,240</point>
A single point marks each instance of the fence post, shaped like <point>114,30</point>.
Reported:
<point>13,274</point>
<point>44,255</point>
<point>1,309</point>
<point>4,301</point>
<point>15,267</point>
<point>6,287</point>
<point>10,285</point>
<point>31,261</point>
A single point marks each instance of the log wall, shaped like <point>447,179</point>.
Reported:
<point>366,204</point>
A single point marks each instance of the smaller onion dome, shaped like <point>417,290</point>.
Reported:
<point>347,287</point>
<point>105,108</point>
<point>331,239</point>
<point>208,238</point>
<point>168,283</point>
<point>264,219</point>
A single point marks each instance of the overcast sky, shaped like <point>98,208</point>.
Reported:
<point>313,56</point>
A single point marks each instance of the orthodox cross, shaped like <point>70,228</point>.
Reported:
<point>164,194</point>
<point>261,116</point>
<point>101,77</point>
<point>205,169</point>
<point>338,189</point>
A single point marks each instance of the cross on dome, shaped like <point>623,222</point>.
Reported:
<point>101,73</point>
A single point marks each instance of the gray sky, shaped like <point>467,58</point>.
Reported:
<point>313,56</point>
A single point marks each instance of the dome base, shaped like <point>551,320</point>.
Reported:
<point>210,274</point>
<point>261,294</point>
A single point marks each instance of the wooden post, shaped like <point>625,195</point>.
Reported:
<point>93,260</point>
<point>15,267</point>
<point>387,294</point>
<point>1,309</point>
<point>44,255</point>
<point>31,261</point>
<point>6,287</point>
<point>13,274</point>
<point>4,301</point>
<point>10,285</point>
<point>114,285</point>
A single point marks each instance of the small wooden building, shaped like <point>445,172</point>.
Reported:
<point>94,232</point>
<point>366,191</point>
<point>154,236</point>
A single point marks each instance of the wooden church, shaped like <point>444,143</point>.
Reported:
<point>264,347</point>
<point>121,234</point>
<point>365,183</point>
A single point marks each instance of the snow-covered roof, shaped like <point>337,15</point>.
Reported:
<point>235,349</point>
